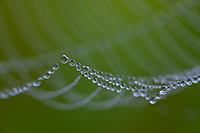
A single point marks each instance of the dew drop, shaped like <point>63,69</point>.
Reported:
<point>104,85</point>
<point>145,85</point>
<point>122,85</point>
<point>147,97</point>
<point>170,82</point>
<point>114,82</point>
<point>5,94</point>
<point>94,80</point>
<point>36,83</point>
<point>110,80</point>
<point>89,77</point>
<point>30,84</point>
<point>130,80</point>
<point>6,91</point>
<point>41,78</point>
<point>143,92</point>
<point>150,87</point>
<point>117,83</point>
<point>128,87</point>
<point>99,83</point>
<point>92,71</point>
<point>56,66</point>
<point>105,78</point>
<point>15,90</point>
<point>20,89</point>
<point>153,100</point>
<point>121,77</point>
<point>26,87</point>
<point>136,82</point>
<point>118,90</point>
<point>163,90</point>
<point>47,75</point>
<point>78,64</point>
<point>82,72</point>
<point>108,76</point>
<point>64,59</point>
<point>195,79</point>
<point>183,83</point>
<point>136,93</point>
<point>11,93</point>
<point>178,83</point>
<point>169,88</point>
<point>189,81</point>
<point>86,75</point>
<point>142,88</point>
<point>99,74</point>
<point>158,96</point>
<point>51,71</point>
<point>199,77</point>
<point>108,87</point>
<point>174,86</point>
<point>112,88</point>
<point>72,62</point>
<point>133,88</point>
<point>85,69</point>
<point>78,68</point>
<point>115,77</point>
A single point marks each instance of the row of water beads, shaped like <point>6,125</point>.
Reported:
<point>114,82</point>
<point>6,93</point>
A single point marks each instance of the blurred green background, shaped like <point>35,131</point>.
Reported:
<point>127,37</point>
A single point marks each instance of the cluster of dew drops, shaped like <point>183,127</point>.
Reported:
<point>47,75</point>
<point>116,81</point>
<point>6,93</point>
<point>98,77</point>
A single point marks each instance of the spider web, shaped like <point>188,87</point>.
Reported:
<point>130,38</point>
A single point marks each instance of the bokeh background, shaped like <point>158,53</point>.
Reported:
<point>130,37</point>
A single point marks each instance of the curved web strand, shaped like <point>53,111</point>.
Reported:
<point>41,95</point>
<point>194,19</point>
<point>106,15</point>
<point>8,77</point>
<point>180,31</point>
<point>112,102</point>
<point>102,43</point>
<point>32,36</point>
<point>116,64</point>
<point>74,26</point>
<point>102,105</point>
<point>139,7</point>
<point>57,30</point>
<point>63,106</point>
<point>142,59</point>
<point>73,96</point>
<point>135,57</point>
<point>9,49</point>
<point>173,45</point>
<point>130,101</point>
<point>151,44</point>
<point>188,6</point>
